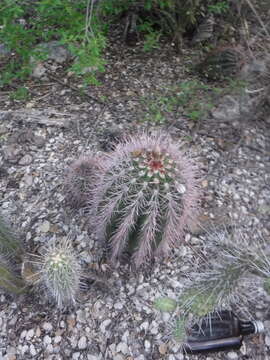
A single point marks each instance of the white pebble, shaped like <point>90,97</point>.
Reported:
<point>232,355</point>
<point>47,326</point>
<point>30,334</point>
<point>82,344</point>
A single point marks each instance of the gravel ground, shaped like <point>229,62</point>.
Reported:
<point>115,319</point>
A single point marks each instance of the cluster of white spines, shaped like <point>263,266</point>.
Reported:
<point>59,273</point>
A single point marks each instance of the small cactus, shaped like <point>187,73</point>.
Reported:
<point>9,281</point>
<point>58,272</point>
<point>221,63</point>
<point>10,251</point>
<point>80,176</point>
<point>146,197</point>
<point>9,243</point>
<point>234,268</point>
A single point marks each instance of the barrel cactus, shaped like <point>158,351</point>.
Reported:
<point>146,196</point>
<point>79,177</point>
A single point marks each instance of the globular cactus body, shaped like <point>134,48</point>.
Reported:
<point>221,63</point>
<point>59,273</point>
<point>80,176</point>
<point>145,198</point>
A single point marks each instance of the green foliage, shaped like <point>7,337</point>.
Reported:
<point>219,8</point>
<point>192,99</point>
<point>21,93</point>
<point>24,25</point>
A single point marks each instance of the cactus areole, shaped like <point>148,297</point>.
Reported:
<point>145,198</point>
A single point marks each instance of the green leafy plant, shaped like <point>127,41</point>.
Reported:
<point>22,93</point>
<point>192,99</point>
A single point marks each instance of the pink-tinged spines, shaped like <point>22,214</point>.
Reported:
<point>146,177</point>
<point>79,178</point>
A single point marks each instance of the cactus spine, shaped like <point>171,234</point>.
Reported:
<point>80,176</point>
<point>10,251</point>
<point>58,272</point>
<point>146,196</point>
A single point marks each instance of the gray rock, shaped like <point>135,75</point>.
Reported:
<point>47,326</point>
<point>104,324</point>
<point>32,349</point>
<point>55,51</point>
<point>232,355</point>
<point>229,109</point>
<point>26,160</point>
<point>123,348</point>
<point>47,340</point>
<point>82,343</point>
<point>12,153</point>
<point>267,340</point>
<point>39,71</point>
<point>30,334</point>
<point>76,355</point>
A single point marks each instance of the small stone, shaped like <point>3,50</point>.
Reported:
<point>47,340</point>
<point>44,227</point>
<point>118,357</point>
<point>144,326</point>
<point>163,348</point>
<point>50,348</point>
<point>147,345</point>
<point>33,351</point>
<point>24,349</point>
<point>28,180</point>
<point>267,340</point>
<point>12,153</point>
<point>30,334</point>
<point>93,357</point>
<point>38,71</point>
<point>82,343</point>
<point>76,355</point>
<point>25,160</point>
<point>57,339</point>
<point>232,355</point>
<point>47,326</point>
<point>123,348</point>
<point>104,324</point>
<point>118,306</point>
<point>81,316</point>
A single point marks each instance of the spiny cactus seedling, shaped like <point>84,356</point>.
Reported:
<point>230,277</point>
<point>221,63</point>
<point>8,280</point>
<point>146,197</point>
<point>58,272</point>
<point>9,243</point>
<point>80,176</point>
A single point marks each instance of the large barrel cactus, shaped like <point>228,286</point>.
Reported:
<point>145,198</point>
